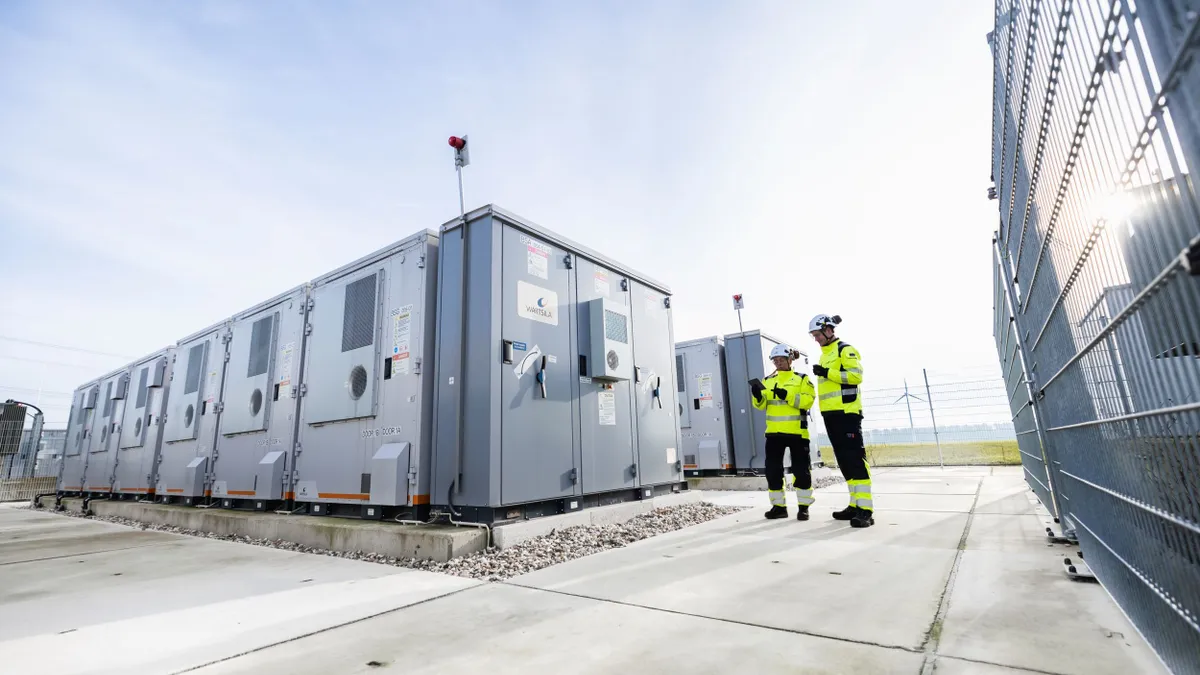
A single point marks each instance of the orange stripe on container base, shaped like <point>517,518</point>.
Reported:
<point>420,499</point>
<point>138,490</point>
<point>240,493</point>
<point>175,491</point>
<point>340,495</point>
<point>689,466</point>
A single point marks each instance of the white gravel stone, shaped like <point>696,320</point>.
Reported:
<point>494,564</point>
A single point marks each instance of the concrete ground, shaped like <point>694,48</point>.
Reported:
<point>956,577</point>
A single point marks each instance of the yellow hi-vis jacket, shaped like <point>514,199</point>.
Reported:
<point>838,390</point>
<point>788,415</point>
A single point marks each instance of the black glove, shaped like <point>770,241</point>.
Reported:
<point>780,393</point>
<point>757,388</point>
<point>820,371</point>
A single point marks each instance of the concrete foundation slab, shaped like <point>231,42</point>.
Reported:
<point>75,541</point>
<point>515,533</point>
<point>419,542</point>
<point>1020,610</point>
<point>1015,503</point>
<point>744,569</point>
<point>945,665</point>
<point>1021,533</point>
<point>938,485</point>
<point>501,629</point>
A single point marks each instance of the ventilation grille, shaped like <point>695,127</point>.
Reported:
<point>615,327</point>
<point>142,390</point>
<point>260,347</point>
<point>690,460</point>
<point>108,404</point>
<point>195,356</point>
<point>679,371</point>
<point>358,319</point>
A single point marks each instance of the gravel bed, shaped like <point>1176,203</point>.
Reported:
<point>494,564</point>
<point>827,481</point>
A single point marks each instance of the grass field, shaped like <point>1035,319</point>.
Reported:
<point>956,453</point>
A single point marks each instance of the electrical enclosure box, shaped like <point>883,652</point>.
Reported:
<point>260,397</point>
<point>136,468</point>
<point>747,357</point>
<point>193,414</point>
<point>704,418</point>
<point>612,354</point>
<point>70,477</point>
<point>106,431</point>
<point>368,382</point>
<point>527,418</point>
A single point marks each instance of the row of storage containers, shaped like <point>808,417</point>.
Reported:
<point>493,370</point>
<point>722,433</point>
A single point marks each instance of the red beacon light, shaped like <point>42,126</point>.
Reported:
<point>458,143</point>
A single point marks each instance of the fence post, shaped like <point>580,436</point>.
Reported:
<point>933,418</point>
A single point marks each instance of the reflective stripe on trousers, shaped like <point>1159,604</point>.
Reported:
<point>860,494</point>
<point>778,498</point>
<point>804,497</point>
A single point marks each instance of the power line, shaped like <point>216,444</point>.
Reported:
<point>44,363</point>
<point>43,392</point>
<point>63,347</point>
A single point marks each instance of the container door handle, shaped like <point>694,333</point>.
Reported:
<point>541,376</point>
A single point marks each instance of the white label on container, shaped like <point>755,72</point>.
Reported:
<point>602,285</point>
<point>220,489</point>
<point>538,255</point>
<point>608,408</point>
<point>286,354</point>
<point>704,386</point>
<point>401,333</point>
<point>210,389</point>
<point>306,489</point>
<point>671,458</point>
<point>537,304</point>
<point>526,364</point>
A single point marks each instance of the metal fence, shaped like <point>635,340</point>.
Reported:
<point>1096,125</point>
<point>932,423</point>
<point>29,460</point>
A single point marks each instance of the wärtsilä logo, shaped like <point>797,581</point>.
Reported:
<point>540,309</point>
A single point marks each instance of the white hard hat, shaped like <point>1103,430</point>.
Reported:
<point>821,321</point>
<point>781,350</point>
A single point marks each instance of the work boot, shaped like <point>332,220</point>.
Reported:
<point>776,512</point>
<point>847,513</point>
<point>802,513</point>
<point>863,518</point>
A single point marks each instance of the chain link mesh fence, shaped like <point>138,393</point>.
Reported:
<point>955,423</point>
<point>1096,123</point>
<point>29,458</point>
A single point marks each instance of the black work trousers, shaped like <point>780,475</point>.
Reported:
<point>801,464</point>
<point>845,435</point>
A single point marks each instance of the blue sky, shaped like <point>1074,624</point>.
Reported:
<point>164,165</point>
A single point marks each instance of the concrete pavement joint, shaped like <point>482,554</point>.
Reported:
<point>934,635</point>
<point>327,629</point>
<point>83,553</point>
<point>1019,669</point>
<point>677,612</point>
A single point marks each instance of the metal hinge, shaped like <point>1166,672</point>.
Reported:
<point>294,391</point>
<point>164,419</point>
<point>667,302</point>
<point>308,329</point>
<point>567,261</point>
<point>421,262</point>
<point>574,476</point>
<point>304,390</point>
<point>624,284</point>
<point>633,469</point>
<point>306,306</point>
<point>416,366</point>
<point>219,407</point>
<point>412,476</point>
<point>295,475</point>
<point>227,356</point>
<point>226,338</point>
<point>296,449</point>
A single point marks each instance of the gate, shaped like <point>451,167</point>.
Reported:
<point>1096,126</point>
<point>20,442</point>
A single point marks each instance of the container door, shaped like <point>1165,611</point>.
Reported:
<point>248,379</point>
<point>605,408</point>
<point>538,457</point>
<point>685,410</point>
<point>656,391</point>
<point>187,391</point>
<point>137,411</point>
<point>110,423</point>
<point>343,350</point>
<point>79,420</point>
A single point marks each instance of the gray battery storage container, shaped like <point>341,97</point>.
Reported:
<point>106,432</point>
<point>747,357</point>
<point>252,465</point>
<point>555,381</point>
<point>704,418</point>
<point>136,466</point>
<point>79,433</point>
<point>193,415</point>
<point>365,416</point>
